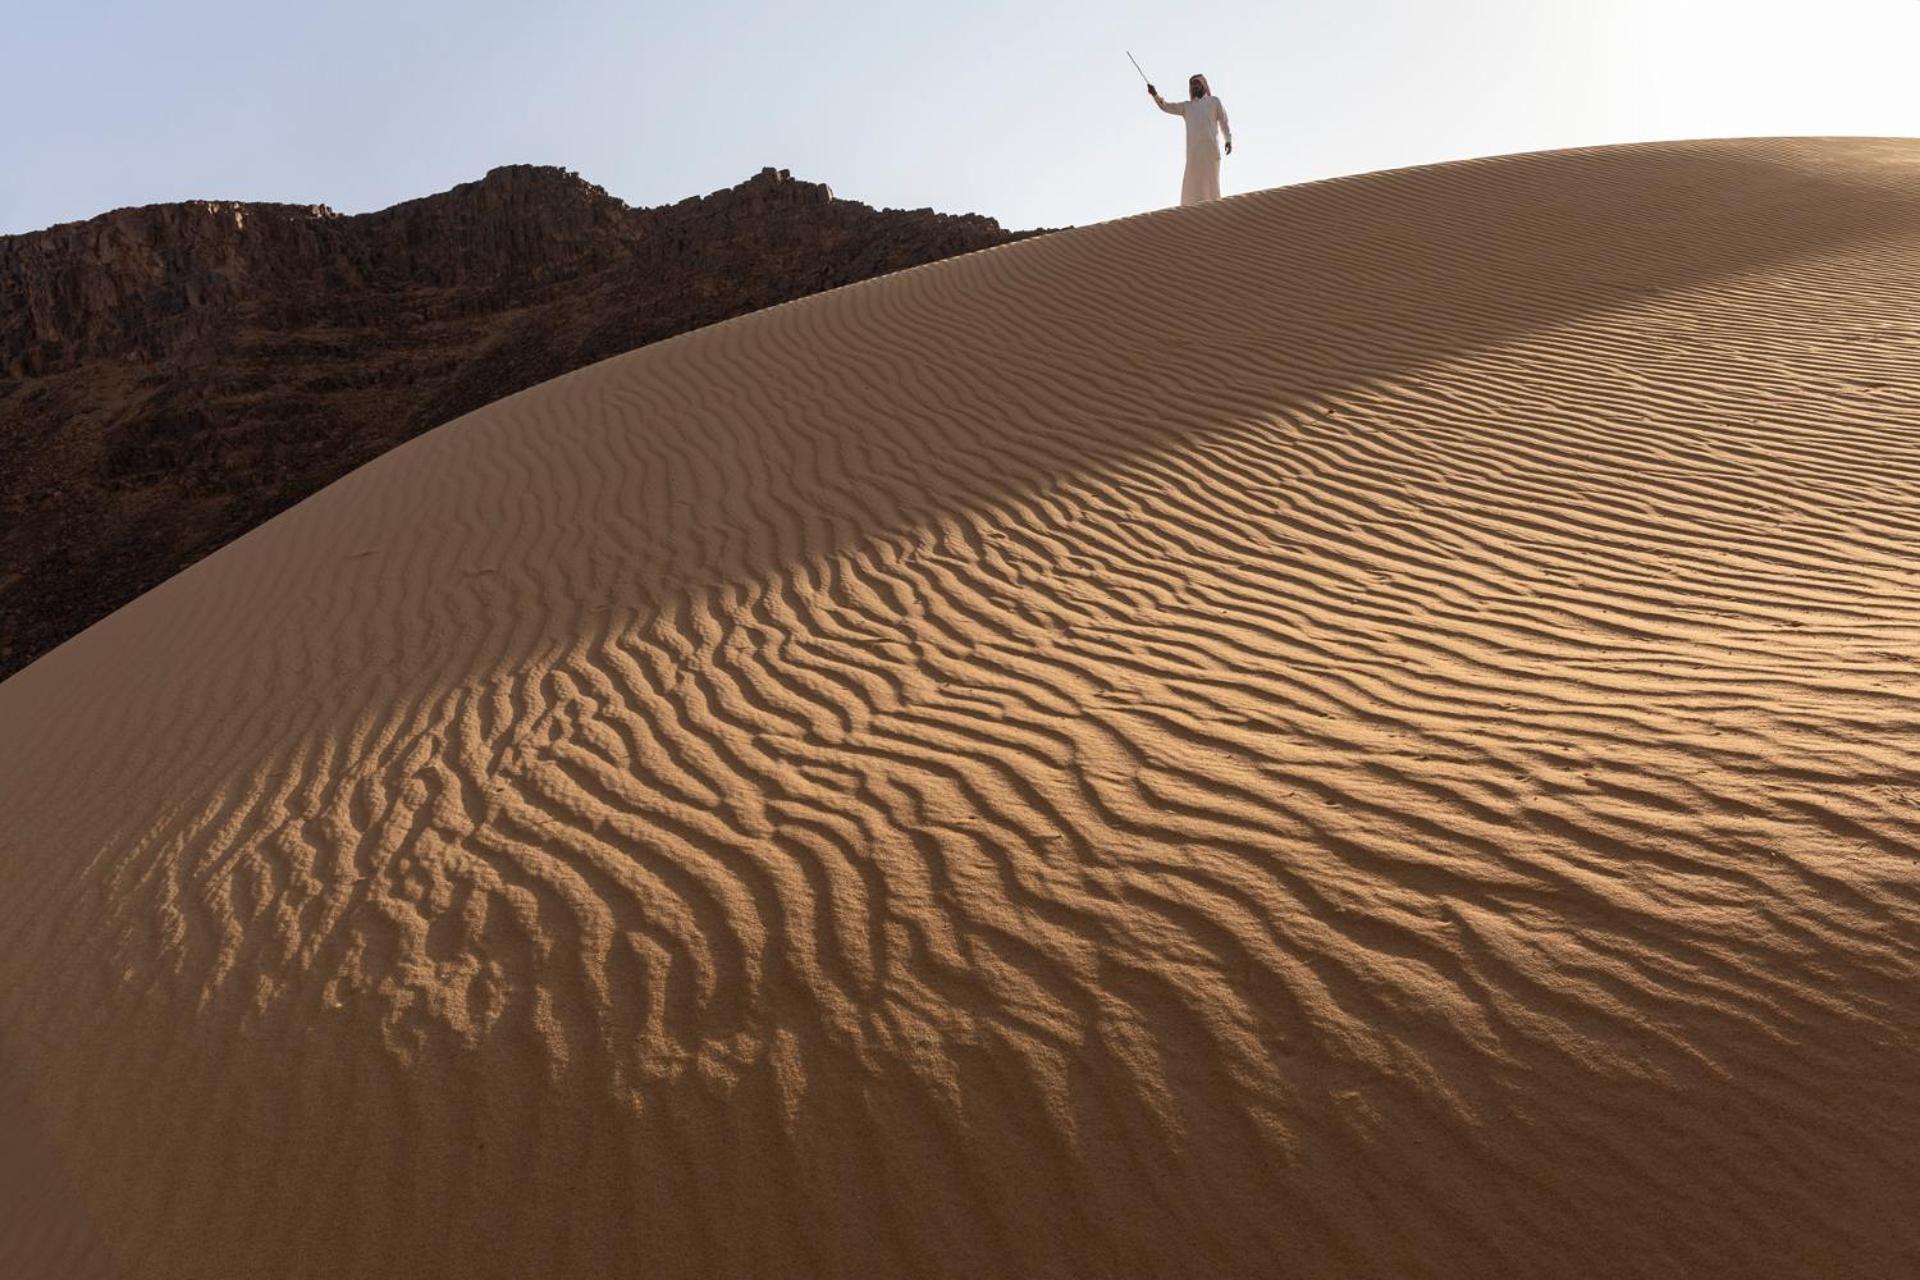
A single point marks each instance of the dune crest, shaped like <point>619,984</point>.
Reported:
<point>1356,730</point>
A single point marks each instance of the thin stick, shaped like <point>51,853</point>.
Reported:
<point>1136,67</point>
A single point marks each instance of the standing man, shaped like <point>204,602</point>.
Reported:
<point>1204,115</point>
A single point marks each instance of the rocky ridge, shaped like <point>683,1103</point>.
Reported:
<point>171,376</point>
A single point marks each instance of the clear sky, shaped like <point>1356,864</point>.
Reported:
<point>1023,109</point>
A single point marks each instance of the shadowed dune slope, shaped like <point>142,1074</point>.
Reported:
<point>1359,730</point>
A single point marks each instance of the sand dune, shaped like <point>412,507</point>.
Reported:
<point>1359,730</point>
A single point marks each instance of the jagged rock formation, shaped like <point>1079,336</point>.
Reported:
<point>171,376</point>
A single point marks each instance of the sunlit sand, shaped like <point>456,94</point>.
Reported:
<point>1356,730</point>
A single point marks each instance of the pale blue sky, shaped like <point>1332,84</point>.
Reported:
<point>1026,111</point>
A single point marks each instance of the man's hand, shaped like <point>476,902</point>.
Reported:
<point>1229,148</point>
<point>1152,92</point>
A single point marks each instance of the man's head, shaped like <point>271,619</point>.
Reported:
<point>1197,86</point>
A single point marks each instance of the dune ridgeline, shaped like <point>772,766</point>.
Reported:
<point>1359,730</point>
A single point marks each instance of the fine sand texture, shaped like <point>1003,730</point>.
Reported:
<point>1364,730</point>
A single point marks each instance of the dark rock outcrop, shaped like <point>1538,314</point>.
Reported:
<point>173,375</point>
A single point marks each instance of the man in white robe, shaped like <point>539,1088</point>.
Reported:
<point>1206,119</point>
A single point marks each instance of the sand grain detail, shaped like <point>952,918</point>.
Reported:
<point>1359,730</point>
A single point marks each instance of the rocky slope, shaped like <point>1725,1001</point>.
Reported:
<point>171,376</point>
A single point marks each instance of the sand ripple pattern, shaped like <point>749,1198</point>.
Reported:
<point>1360,730</point>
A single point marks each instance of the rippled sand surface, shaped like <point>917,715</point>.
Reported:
<point>1361,730</point>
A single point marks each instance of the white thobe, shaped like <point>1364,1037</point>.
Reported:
<point>1204,116</point>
